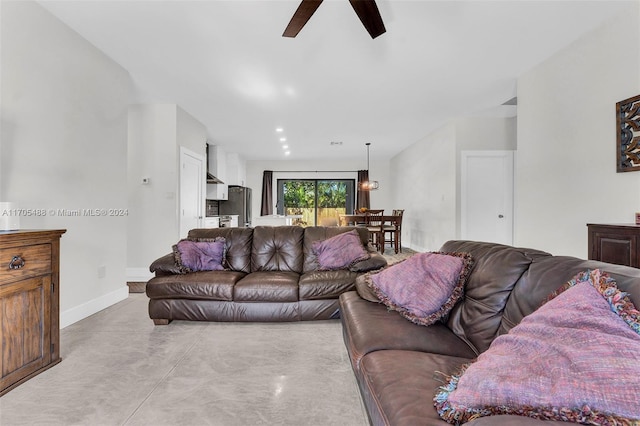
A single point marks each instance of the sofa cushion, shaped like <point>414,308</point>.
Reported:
<point>395,385</point>
<point>206,285</point>
<point>512,420</point>
<point>424,287</point>
<point>325,284</point>
<point>340,251</point>
<point>577,358</point>
<point>199,255</point>
<point>370,327</point>
<point>478,316</point>
<point>238,245</point>
<point>267,286</point>
<point>319,233</point>
<point>277,248</point>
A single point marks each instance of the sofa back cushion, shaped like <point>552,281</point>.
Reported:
<point>277,248</point>
<point>508,283</point>
<point>321,233</point>
<point>477,318</point>
<point>238,245</point>
<point>546,274</point>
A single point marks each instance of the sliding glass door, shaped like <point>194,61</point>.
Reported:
<point>315,201</point>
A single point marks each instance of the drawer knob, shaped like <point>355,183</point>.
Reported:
<point>17,262</point>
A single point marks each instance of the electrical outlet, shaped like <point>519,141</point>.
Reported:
<point>102,271</point>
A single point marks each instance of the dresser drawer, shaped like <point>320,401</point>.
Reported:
<point>37,261</point>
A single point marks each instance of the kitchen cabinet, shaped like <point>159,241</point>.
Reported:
<point>615,243</point>
<point>29,304</point>
<point>236,169</point>
<point>218,168</point>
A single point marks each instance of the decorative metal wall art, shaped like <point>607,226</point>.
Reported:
<point>628,134</point>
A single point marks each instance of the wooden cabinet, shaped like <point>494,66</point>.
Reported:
<point>29,304</point>
<point>615,243</point>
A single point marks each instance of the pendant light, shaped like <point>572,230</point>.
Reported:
<point>368,185</point>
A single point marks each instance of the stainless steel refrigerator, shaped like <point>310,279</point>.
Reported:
<point>239,203</point>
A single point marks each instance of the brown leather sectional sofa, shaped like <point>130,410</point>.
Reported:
<point>398,364</point>
<point>272,275</point>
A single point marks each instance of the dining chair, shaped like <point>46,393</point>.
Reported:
<point>374,225</point>
<point>394,229</point>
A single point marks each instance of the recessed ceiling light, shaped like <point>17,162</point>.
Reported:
<point>283,139</point>
<point>287,153</point>
<point>279,129</point>
<point>285,146</point>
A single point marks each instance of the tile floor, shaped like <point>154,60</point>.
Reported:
<point>120,369</point>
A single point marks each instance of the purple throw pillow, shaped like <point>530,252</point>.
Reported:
<point>200,255</point>
<point>576,359</point>
<point>424,287</point>
<point>340,251</point>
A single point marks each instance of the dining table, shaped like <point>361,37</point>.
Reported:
<point>377,225</point>
<point>353,219</point>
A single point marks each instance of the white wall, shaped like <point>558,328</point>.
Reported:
<point>486,133</point>
<point>156,132</point>
<point>426,177</point>
<point>481,134</point>
<point>64,146</point>
<point>379,170</point>
<point>190,133</point>
<point>566,159</point>
<point>153,223</point>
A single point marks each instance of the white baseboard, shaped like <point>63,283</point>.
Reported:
<point>138,275</point>
<point>79,312</point>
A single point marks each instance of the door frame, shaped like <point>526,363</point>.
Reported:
<point>464,158</point>
<point>185,152</point>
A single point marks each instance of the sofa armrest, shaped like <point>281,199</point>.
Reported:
<point>376,261</point>
<point>165,265</point>
<point>364,291</point>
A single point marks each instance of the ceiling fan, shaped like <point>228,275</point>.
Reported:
<point>366,10</point>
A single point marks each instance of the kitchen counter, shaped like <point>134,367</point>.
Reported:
<point>222,221</point>
<point>211,222</point>
<point>275,220</point>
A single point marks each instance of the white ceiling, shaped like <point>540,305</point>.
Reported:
<point>226,63</point>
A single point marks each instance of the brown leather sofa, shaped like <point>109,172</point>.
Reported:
<point>272,275</point>
<point>398,364</point>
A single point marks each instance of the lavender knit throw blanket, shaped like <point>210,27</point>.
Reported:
<point>577,359</point>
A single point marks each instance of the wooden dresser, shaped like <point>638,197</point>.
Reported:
<point>615,243</point>
<point>29,304</point>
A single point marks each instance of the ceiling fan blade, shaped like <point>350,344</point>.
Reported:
<point>368,12</point>
<point>304,12</point>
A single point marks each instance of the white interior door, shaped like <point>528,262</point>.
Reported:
<point>487,196</point>
<point>192,187</point>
